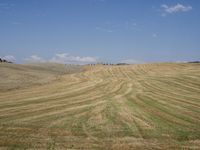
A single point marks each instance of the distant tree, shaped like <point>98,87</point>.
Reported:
<point>122,64</point>
<point>194,62</point>
<point>4,61</point>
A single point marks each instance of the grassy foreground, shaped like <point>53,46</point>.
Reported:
<point>147,106</point>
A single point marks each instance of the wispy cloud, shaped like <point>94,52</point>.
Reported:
<point>175,8</point>
<point>9,58</point>
<point>70,59</point>
<point>62,58</point>
<point>35,59</point>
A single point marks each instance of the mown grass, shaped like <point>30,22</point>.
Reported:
<point>149,106</point>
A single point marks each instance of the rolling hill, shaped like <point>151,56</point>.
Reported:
<point>146,106</point>
<point>15,76</point>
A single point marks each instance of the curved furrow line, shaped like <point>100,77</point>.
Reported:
<point>37,111</point>
<point>107,95</point>
<point>189,100</point>
<point>50,98</point>
<point>179,85</point>
<point>176,105</point>
<point>162,123</point>
<point>124,75</point>
<point>42,116</point>
<point>132,69</point>
<point>129,116</point>
<point>179,114</point>
<point>139,70</point>
<point>66,81</point>
<point>130,73</point>
<point>46,105</point>
<point>165,114</point>
<point>54,102</point>
<point>105,118</point>
<point>174,101</point>
<point>143,68</point>
<point>29,90</point>
<point>171,87</point>
<point>187,83</point>
<point>72,90</point>
<point>118,72</point>
<point>170,91</point>
<point>104,73</point>
<point>115,71</point>
<point>127,73</point>
<point>42,90</point>
<point>137,111</point>
<point>193,80</point>
<point>55,98</point>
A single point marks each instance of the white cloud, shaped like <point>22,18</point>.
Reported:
<point>175,8</point>
<point>63,58</point>
<point>35,59</point>
<point>131,61</point>
<point>70,59</point>
<point>9,58</point>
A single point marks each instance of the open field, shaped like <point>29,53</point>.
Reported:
<point>147,106</point>
<point>18,76</point>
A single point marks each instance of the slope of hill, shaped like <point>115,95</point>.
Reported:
<point>16,76</point>
<point>148,106</point>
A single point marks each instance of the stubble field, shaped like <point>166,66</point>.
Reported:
<point>146,106</point>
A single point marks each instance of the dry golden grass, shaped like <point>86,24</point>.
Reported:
<point>14,76</point>
<point>147,106</point>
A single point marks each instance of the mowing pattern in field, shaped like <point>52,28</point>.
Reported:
<point>106,107</point>
<point>15,76</point>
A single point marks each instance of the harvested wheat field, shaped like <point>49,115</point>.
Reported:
<point>146,106</point>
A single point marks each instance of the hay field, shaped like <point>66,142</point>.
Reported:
<point>15,76</point>
<point>147,106</point>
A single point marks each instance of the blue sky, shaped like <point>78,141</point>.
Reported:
<point>87,31</point>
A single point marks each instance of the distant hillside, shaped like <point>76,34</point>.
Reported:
<point>17,75</point>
